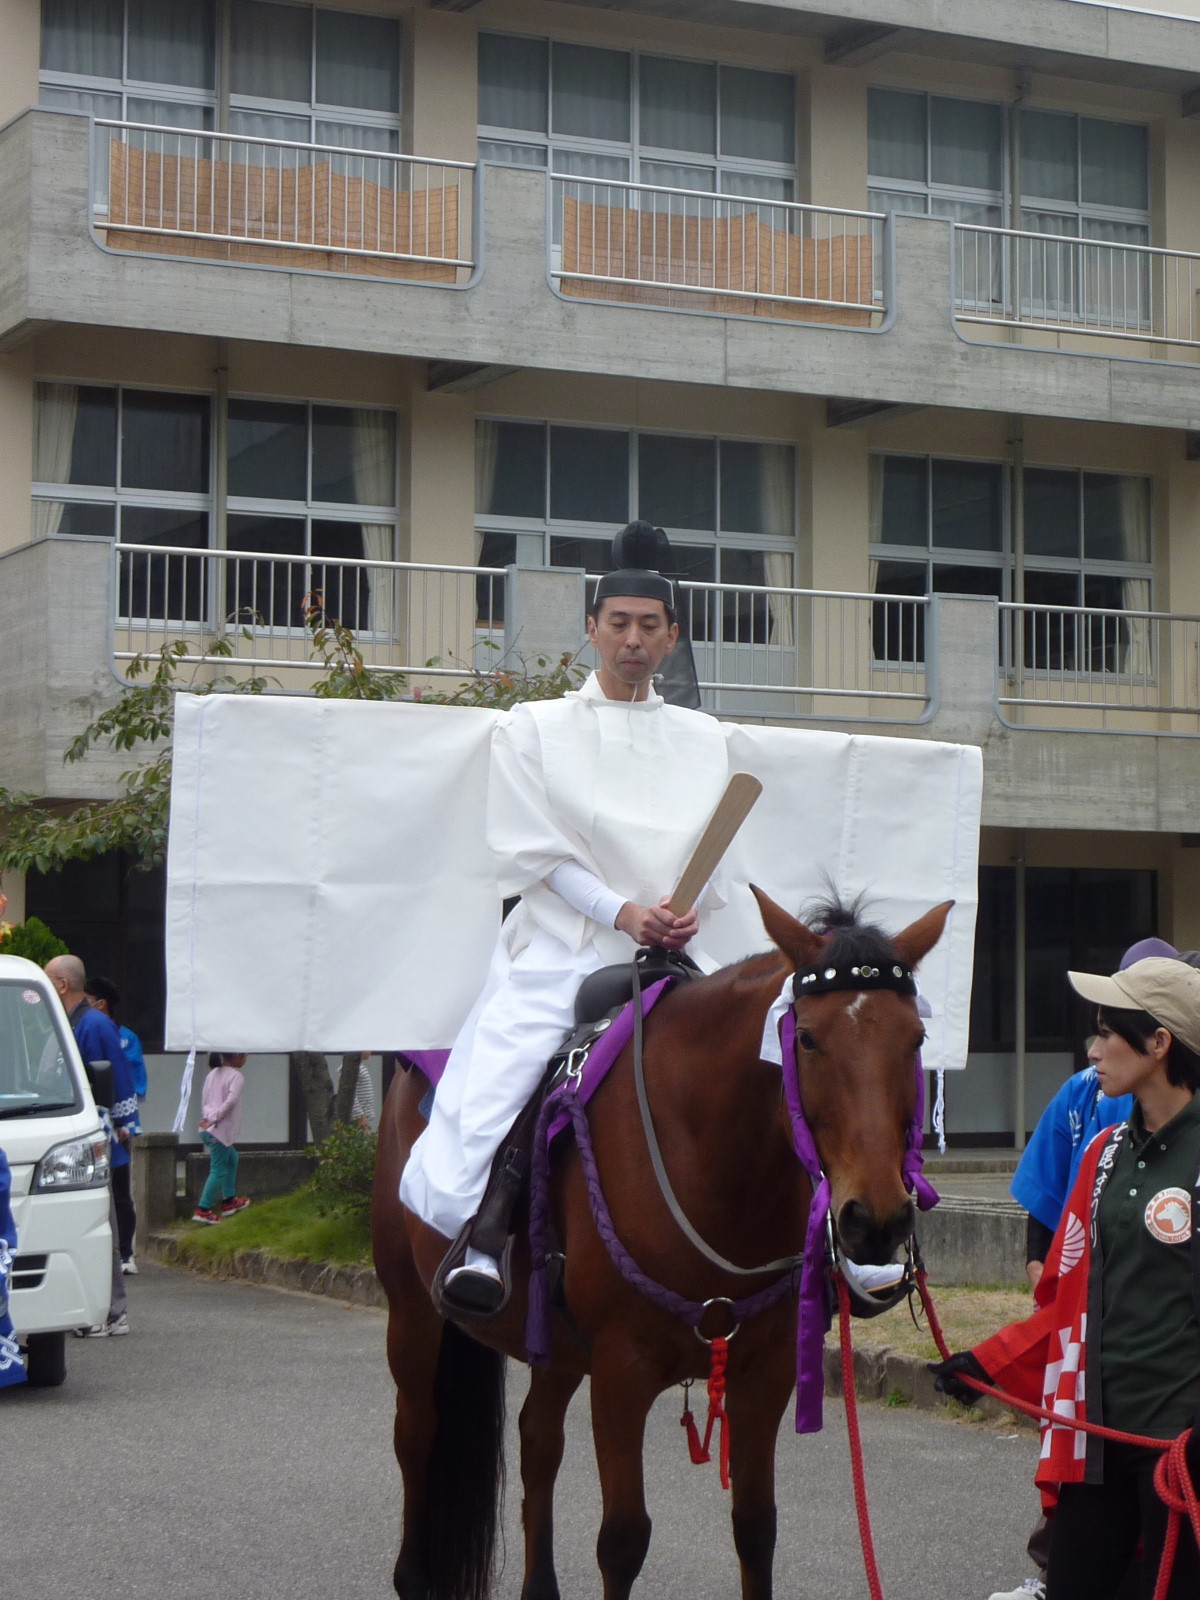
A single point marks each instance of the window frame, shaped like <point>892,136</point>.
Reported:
<point>633,152</point>
<point>126,88</point>
<point>547,528</point>
<point>1080,566</point>
<point>1004,197</point>
<point>204,502</point>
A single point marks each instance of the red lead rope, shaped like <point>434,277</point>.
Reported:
<point>1172,1478</point>
<point>716,1413</point>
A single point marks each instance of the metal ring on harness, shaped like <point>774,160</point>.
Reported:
<point>717,1300</point>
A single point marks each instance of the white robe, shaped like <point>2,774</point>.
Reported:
<point>623,787</point>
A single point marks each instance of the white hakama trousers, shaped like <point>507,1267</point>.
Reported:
<point>525,1010</point>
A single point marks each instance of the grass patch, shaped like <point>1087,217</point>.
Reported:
<point>968,1316</point>
<point>299,1226</point>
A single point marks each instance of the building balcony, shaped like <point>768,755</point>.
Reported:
<point>120,226</point>
<point>1087,719</point>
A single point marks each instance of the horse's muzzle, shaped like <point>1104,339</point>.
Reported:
<point>867,1240</point>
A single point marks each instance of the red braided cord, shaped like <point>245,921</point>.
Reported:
<point>1172,1479</point>
<point>698,1450</point>
<point>856,1459</point>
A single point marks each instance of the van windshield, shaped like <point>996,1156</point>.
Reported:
<point>35,1073</point>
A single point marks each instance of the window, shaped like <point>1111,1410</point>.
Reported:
<point>1077,919</point>
<point>1081,178</point>
<point>617,114</point>
<point>297,72</point>
<point>555,494</point>
<point>939,526</point>
<point>317,482</point>
<point>304,480</point>
<point>110,912</point>
<point>1087,543</point>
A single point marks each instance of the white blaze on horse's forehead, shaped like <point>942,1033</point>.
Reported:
<point>856,1005</point>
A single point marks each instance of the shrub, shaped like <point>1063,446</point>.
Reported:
<point>345,1170</point>
<point>33,940</point>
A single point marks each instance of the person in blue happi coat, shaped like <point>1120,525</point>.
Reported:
<point>106,997</point>
<point>12,1368</point>
<point>98,1040</point>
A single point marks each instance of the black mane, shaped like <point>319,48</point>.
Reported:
<point>850,941</point>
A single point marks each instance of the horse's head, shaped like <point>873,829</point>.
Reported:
<point>856,1054</point>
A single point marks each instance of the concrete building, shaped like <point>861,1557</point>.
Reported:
<point>858,300</point>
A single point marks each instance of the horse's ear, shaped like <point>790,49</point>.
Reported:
<point>919,938</point>
<point>798,943</point>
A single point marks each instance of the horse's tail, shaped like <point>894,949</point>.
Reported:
<point>466,1473</point>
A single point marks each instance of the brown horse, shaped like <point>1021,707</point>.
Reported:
<point>726,1141</point>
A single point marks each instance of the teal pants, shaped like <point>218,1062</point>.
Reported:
<point>221,1183</point>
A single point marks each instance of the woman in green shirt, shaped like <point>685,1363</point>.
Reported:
<point>1116,1336</point>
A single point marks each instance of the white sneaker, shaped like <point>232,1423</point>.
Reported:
<point>112,1329</point>
<point>1030,1589</point>
<point>874,1279</point>
<point>129,1268</point>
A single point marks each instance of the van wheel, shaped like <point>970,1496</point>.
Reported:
<point>46,1359</point>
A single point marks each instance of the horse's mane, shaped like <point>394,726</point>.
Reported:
<point>850,939</point>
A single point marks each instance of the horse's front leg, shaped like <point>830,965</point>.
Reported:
<point>759,1387</point>
<point>542,1438</point>
<point>623,1390</point>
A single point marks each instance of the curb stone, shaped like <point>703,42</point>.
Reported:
<point>354,1285</point>
<point>878,1371</point>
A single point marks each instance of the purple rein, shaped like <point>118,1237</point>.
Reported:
<point>813,1308</point>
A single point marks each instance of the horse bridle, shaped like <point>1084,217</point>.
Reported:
<point>818,979</point>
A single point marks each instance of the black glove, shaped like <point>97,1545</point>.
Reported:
<point>948,1376</point>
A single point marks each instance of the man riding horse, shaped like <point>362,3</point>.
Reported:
<point>596,801</point>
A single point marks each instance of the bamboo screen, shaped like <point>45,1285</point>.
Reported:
<point>715,253</point>
<point>188,196</point>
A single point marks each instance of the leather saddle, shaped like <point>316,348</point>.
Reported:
<point>502,1212</point>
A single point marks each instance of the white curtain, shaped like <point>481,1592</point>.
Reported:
<point>777,509</point>
<point>272,51</point>
<point>82,36</point>
<point>487,456</point>
<point>1138,660</point>
<point>53,438</point>
<point>781,608</point>
<point>374,448</point>
<point>171,43</point>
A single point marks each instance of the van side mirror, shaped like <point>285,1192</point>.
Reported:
<point>100,1076</point>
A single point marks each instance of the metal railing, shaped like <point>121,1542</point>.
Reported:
<point>1010,278</point>
<point>282,201</point>
<point>406,617</point>
<point>796,651</point>
<point>1109,669</point>
<point>654,245</point>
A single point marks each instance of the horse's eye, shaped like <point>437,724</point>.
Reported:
<point>922,1041</point>
<point>805,1040</point>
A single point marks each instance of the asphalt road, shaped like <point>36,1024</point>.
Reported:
<point>237,1447</point>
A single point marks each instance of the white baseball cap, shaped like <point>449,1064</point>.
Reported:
<point>1169,990</point>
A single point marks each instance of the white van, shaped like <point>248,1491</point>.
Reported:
<point>57,1147</point>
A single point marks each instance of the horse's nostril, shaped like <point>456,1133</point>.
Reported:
<point>867,1240</point>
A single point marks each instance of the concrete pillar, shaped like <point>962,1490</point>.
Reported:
<point>961,651</point>
<point>837,139</point>
<point>441,479</point>
<point>21,30</point>
<point>154,1156</point>
<point>543,614</point>
<point>839,511</point>
<point>16,445</point>
<point>440,88</point>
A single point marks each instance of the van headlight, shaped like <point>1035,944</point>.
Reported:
<point>77,1164</point>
